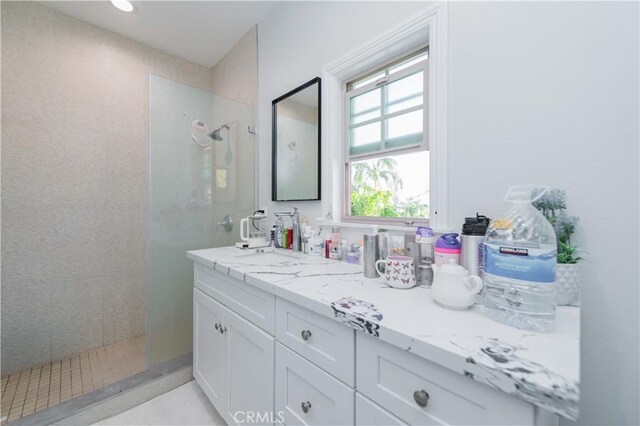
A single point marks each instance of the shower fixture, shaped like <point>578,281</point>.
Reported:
<point>215,135</point>
<point>199,127</point>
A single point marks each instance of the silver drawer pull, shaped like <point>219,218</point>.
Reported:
<point>305,336</point>
<point>306,406</point>
<point>421,397</point>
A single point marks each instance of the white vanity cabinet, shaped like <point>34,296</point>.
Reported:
<point>255,352</point>
<point>233,360</point>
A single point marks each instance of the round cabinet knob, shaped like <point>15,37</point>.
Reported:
<point>306,406</point>
<point>223,329</point>
<point>421,397</point>
<point>306,334</point>
<point>217,326</point>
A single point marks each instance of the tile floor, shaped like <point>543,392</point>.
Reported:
<point>33,389</point>
<point>186,405</point>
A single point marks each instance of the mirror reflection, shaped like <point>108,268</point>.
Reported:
<point>296,144</point>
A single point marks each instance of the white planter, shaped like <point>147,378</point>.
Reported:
<point>567,284</point>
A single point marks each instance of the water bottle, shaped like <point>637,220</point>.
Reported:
<point>520,263</point>
<point>447,248</point>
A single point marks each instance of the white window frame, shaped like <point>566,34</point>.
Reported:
<point>428,27</point>
<point>422,145</point>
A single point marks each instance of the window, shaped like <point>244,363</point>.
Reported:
<point>386,150</point>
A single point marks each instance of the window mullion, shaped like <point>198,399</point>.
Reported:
<point>383,113</point>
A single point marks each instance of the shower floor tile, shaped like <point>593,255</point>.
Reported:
<point>33,389</point>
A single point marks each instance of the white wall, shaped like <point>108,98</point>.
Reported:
<point>548,93</point>
<point>294,43</point>
<point>538,93</point>
<point>235,76</point>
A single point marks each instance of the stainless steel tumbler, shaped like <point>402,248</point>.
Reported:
<point>472,237</point>
<point>371,254</point>
<point>471,253</point>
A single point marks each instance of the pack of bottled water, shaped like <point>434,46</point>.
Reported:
<point>520,263</point>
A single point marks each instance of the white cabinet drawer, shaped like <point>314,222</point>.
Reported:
<point>391,377</point>
<point>323,341</point>
<point>368,413</point>
<point>256,305</point>
<point>302,386</point>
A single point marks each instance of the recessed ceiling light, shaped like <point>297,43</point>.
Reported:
<point>123,5</point>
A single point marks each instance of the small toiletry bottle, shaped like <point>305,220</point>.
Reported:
<point>336,237</point>
<point>278,232</point>
<point>334,245</point>
<point>306,233</point>
<point>353,257</point>
<point>342,249</point>
<point>315,242</point>
<point>397,245</point>
<point>289,238</point>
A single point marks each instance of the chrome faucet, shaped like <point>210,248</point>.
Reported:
<point>295,219</point>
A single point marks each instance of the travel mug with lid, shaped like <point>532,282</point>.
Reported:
<point>472,238</point>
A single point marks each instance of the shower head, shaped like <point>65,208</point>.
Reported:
<point>215,134</point>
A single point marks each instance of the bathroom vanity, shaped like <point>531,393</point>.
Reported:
<point>289,338</point>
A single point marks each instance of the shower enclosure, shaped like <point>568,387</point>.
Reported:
<point>201,169</point>
<point>67,333</point>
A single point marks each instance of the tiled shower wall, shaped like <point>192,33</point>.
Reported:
<point>74,182</point>
<point>235,77</point>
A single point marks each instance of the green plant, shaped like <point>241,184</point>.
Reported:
<point>367,201</point>
<point>413,208</point>
<point>553,205</point>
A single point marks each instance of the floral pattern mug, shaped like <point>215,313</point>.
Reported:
<point>399,271</point>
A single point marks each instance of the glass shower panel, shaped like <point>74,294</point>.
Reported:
<point>201,168</point>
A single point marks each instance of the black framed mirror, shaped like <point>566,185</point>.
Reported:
<point>295,164</point>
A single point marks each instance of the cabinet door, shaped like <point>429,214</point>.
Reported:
<point>209,349</point>
<point>368,413</point>
<point>306,395</point>
<point>250,365</point>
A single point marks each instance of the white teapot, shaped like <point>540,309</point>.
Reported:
<point>453,287</point>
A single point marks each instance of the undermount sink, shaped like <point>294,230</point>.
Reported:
<point>268,255</point>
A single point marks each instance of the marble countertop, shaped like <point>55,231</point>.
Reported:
<point>541,368</point>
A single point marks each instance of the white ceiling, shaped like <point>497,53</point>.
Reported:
<point>198,31</point>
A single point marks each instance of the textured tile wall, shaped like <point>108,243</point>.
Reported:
<point>236,75</point>
<point>74,182</point>
<point>235,78</point>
